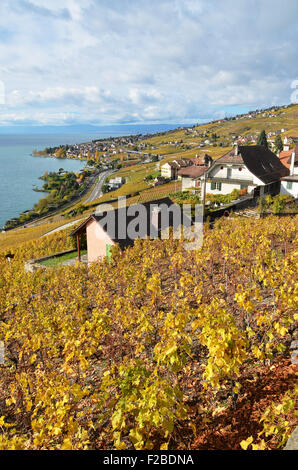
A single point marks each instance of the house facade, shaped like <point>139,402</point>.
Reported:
<point>252,167</point>
<point>115,183</point>
<point>170,169</point>
<point>191,177</point>
<point>289,183</point>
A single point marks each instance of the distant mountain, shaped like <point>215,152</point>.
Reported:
<point>85,128</point>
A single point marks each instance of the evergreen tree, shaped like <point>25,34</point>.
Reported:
<point>262,139</point>
<point>278,144</point>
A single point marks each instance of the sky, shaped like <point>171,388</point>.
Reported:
<point>106,62</point>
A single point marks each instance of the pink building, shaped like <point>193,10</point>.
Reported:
<point>123,225</point>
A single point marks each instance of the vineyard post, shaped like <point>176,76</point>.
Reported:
<point>78,247</point>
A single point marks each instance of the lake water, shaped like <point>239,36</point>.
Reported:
<point>20,172</point>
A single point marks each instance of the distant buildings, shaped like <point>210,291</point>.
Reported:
<point>289,183</point>
<point>170,169</point>
<point>115,183</point>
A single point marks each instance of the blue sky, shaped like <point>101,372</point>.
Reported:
<point>125,61</point>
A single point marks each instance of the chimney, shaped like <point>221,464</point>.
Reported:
<point>236,150</point>
<point>207,160</point>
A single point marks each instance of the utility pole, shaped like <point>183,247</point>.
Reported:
<point>204,194</point>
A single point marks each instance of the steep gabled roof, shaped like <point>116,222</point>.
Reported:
<point>203,160</point>
<point>259,160</point>
<point>181,163</point>
<point>263,163</point>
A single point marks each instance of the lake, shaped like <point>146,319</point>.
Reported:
<point>20,172</point>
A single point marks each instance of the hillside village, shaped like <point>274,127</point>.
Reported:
<point>181,138</point>
<point>148,280</point>
<point>185,159</point>
<point>224,178</point>
<point>119,342</point>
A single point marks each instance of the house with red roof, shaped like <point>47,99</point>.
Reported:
<point>191,177</point>
<point>170,169</point>
<point>285,157</point>
<point>289,183</point>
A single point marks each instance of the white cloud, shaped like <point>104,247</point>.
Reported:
<point>160,60</point>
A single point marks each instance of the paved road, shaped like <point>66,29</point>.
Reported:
<point>97,192</point>
<point>53,215</point>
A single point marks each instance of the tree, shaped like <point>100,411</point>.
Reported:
<point>262,139</point>
<point>105,188</point>
<point>61,153</point>
<point>278,144</point>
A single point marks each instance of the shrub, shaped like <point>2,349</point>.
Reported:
<point>278,205</point>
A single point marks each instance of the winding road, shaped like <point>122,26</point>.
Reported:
<point>96,193</point>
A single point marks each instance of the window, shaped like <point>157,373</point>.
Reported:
<point>229,173</point>
<point>215,186</point>
<point>289,185</point>
<point>243,186</point>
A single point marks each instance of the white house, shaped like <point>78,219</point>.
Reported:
<point>289,184</point>
<point>191,176</point>
<point>115,183</point>
<point>286,144</point>
<point>253,167</point>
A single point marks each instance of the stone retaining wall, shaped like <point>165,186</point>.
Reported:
<point>33,264</point>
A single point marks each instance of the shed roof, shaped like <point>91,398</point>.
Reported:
<point>115,222</point>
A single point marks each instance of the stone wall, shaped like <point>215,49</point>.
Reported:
<point>33,264</point>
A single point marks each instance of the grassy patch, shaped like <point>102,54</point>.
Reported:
<point>59,259</point>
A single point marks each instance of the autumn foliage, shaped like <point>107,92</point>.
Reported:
<point>153,349</point>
